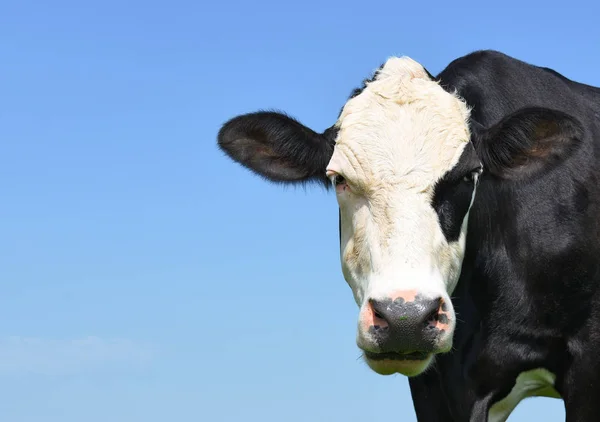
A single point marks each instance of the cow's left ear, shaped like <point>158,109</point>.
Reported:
<point>528,142</point>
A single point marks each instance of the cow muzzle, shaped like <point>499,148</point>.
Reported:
<point>400,333</point>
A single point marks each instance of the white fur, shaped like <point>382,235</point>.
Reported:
<point>534,383</point>
<point>396,139</point>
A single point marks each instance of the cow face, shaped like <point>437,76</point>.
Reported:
<point>405,176</point>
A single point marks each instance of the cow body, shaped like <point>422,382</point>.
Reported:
<point>528,292</point>
<point>525,305</point>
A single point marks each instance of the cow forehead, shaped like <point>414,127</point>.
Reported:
<point>402,126</point>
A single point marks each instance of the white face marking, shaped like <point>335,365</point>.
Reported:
<point>396,140</point>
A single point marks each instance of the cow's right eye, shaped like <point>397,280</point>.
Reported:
<point>335,178</point>
<point>338,180</point>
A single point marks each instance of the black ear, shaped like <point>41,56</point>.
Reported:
<point>277,147</point>
<point>527,142</point>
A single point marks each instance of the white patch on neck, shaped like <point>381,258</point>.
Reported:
<point>534,383</point>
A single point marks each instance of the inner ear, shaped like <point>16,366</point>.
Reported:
<point>529,141</point>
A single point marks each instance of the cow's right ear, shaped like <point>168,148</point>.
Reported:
<point>277,147</point>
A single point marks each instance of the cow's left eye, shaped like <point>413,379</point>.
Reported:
<point>472,175</point>
<point>469,177</point>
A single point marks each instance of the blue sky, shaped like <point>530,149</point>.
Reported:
<point>145,277</point>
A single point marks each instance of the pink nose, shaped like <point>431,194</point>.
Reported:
<point>405,320</point>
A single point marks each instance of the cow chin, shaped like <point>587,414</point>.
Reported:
<point>409,364</point>
<point>399,365</point>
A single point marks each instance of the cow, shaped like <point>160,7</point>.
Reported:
<point>469,211</point>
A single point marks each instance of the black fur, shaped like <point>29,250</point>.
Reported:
<point>452,195</point>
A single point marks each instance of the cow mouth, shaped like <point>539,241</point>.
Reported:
<point>418,356</point>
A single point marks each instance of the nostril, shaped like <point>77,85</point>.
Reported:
<point>432,317</point>
<point>379,312</point>
<point>432,311</point>
<point>437,317</point>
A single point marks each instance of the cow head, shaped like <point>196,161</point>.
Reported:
<point>405,173</point>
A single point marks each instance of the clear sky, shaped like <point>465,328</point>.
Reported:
<point>146,278</point>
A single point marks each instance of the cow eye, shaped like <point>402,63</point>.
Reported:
<point>337,180</point>
<point>470,177</point>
